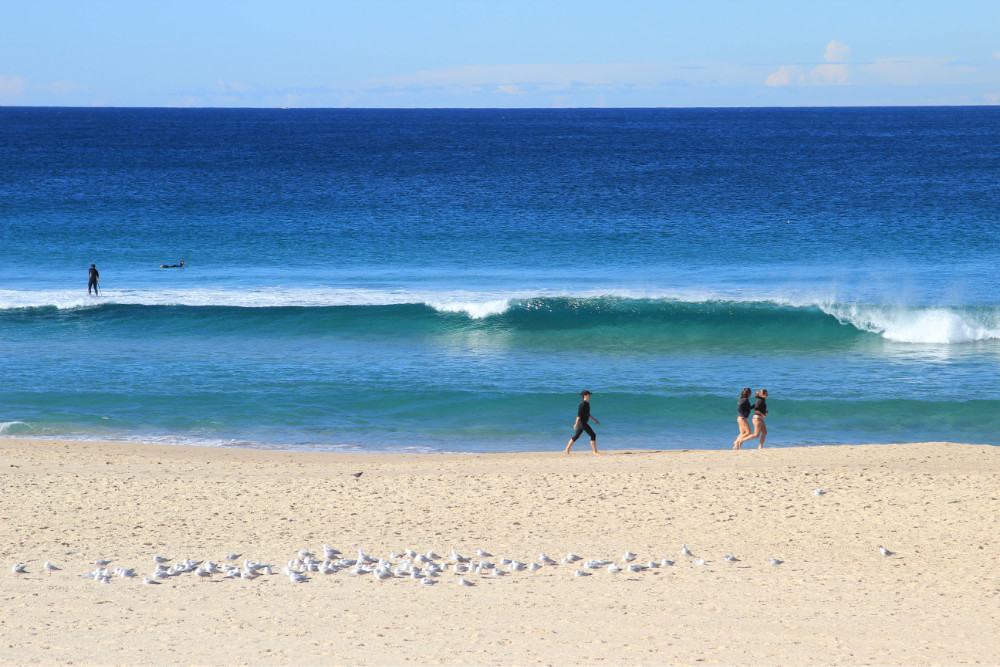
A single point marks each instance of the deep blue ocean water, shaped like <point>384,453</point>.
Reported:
<point>449,280</point>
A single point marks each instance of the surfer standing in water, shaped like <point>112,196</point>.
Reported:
<point>92,280</point>
<point>581,425</point>
<point>759,427</point>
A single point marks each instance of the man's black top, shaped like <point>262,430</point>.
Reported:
<point>583,412</point>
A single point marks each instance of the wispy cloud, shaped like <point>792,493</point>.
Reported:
<point>12,86</point>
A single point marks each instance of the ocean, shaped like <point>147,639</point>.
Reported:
<point>450,280</point>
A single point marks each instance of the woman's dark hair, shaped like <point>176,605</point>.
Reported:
<point>760,393</point>
<point>746,392</point>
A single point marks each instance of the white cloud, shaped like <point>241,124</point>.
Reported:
<point>836,52</point>
<point>11,86</point>
<point>509,89</point>
<point>832,73</point>
<point>783,77</point>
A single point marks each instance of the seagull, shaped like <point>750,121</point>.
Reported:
<point>818,492</point>
<point>628,557</point>
<point>700,561</point>
<point>462,581</point>
<point>614,569</point>
<point>685,551</point>
<point>776,561</point>
<point>516,566</point>
<point>233,556</point>
<point>203,573</point>
<point>147,580</point>
<point>156,559</point>
<point>19,568</point>
<point>356,475</point>
<point>427,581</point>
<point>666,562</point>
<point>100,562</point>
<point>305,554</point>
<point>458,558</point>
<point>483,554</point>
<point>652,563</point>
<point>546,560</point>
<point>432,556</point>
<point>381,575</point>
<point>297,578</point>
<point>581,573</point>
<point>126,573</point>
<point>50,568</point>
<point>731,559</point>
<point>635,567</point>
<point>885,552</point>
<point>572,557</point>
<point>534,566</point>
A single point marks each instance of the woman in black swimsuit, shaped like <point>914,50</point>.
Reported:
<point>742,415</point>
<point>759,427</point>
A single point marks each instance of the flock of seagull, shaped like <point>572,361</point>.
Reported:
<point>425,568</point>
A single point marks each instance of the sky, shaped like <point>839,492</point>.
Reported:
<point>498,54</point>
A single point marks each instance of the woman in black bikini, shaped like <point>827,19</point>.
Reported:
<point>759,427</point>
<point>743,409</point>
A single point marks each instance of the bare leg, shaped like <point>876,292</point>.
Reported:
<point>763,434</point>
<point>569,445</point>
<point>750,436</point>
<point>744,430</point>
<point>593,445</point>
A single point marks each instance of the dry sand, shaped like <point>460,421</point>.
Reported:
<point>834,600</point>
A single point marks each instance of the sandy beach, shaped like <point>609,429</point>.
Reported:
<point>835,599</point>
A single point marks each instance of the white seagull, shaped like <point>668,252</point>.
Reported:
<point>885,552</point>
<point>19,568</point>
<point>685,551</point>
<point>50,568</point>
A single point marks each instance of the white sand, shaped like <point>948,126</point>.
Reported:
<point>835,600</point>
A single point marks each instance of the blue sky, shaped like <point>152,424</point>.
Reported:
<point>436,53</point>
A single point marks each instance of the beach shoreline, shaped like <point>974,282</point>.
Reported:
<point>833,600</point>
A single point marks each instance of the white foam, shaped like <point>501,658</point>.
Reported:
<point>919,325</point>
<point>8,428</point>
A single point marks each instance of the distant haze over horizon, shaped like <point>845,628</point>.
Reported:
<point>517,54</point>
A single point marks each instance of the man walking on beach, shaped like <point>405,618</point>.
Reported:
<point>92,281</point>
<point>582,417</point>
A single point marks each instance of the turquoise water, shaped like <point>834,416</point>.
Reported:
<point>449,280</point>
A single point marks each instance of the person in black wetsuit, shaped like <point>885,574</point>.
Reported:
<point>92,280</point>
<point>743,410</point>
<point>582,417</point>
<point>759,427</point>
